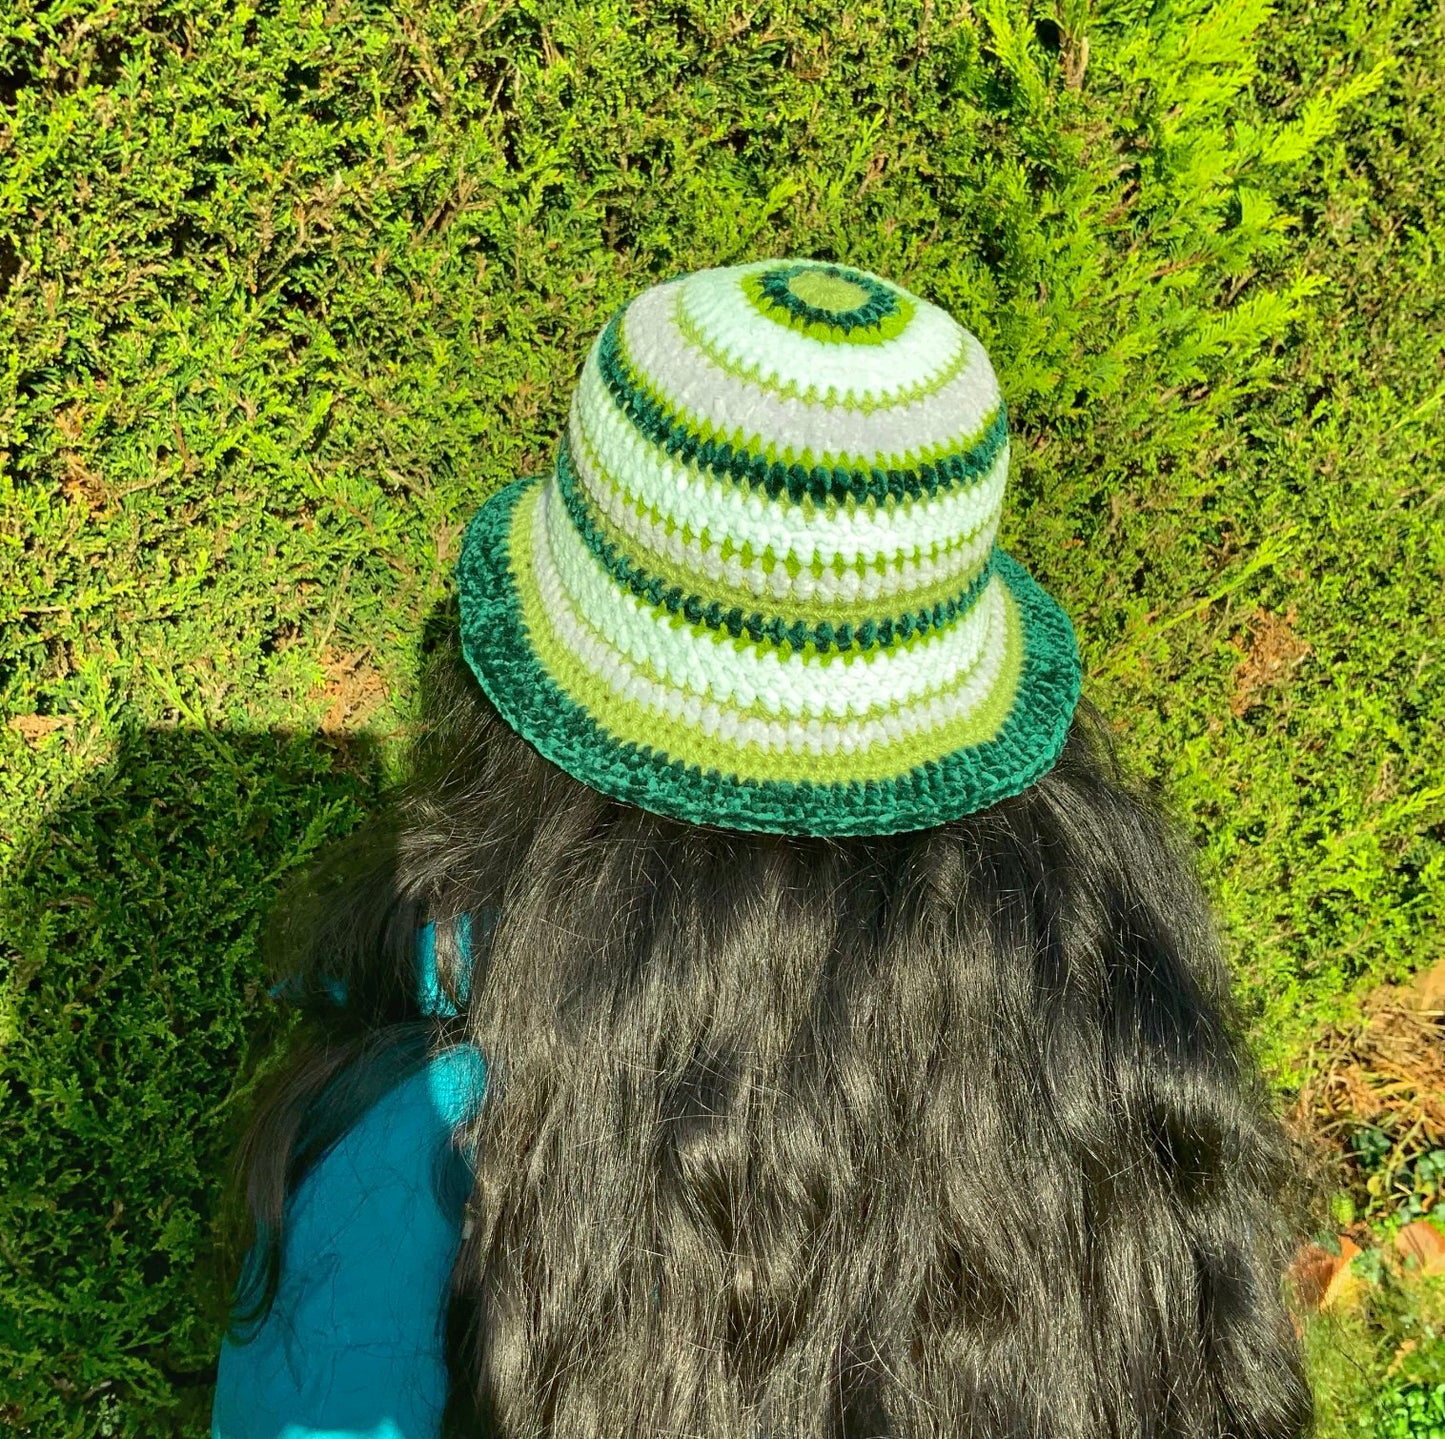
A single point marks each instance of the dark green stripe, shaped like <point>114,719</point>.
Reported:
<point>698,609</point>
<point>879,305</point>
<point>719,458</point>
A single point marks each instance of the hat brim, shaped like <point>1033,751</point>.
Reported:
<point>1023,744</point>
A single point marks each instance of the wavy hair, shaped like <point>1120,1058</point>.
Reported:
<point>949,1133</point>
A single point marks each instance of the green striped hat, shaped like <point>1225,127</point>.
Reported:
<point>759,587</point>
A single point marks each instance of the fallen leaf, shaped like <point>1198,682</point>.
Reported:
<point>1423,1244</point>
<point>1321,1278</point>
<point>1310,1274</point>
<point>1344,1282</point>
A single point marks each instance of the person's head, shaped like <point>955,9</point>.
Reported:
<point>860,1055</point>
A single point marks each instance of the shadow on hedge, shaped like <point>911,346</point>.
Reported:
<point>136,1022</point>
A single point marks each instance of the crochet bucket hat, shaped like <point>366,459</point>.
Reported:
<point>759,587</point>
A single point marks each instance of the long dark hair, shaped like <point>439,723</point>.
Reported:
<point>950,1133</point>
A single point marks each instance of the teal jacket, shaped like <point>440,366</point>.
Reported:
<point>352,1346</point>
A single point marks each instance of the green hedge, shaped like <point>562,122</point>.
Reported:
<point>1410,1412</point>
<point>285,292</point>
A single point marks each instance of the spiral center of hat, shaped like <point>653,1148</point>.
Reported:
<point>829,302</point>
<point>828,292</point>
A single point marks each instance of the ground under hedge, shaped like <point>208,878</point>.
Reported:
<point>286,291</point>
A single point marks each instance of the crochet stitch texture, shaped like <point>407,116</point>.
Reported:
<point>759,587</point>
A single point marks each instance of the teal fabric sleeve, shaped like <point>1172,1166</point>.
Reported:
<point>352,1346</point>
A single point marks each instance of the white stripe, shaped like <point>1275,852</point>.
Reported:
<point>706,393</point>
<point>803,736</point>
<point>740,673</point>
<point>651,538</point>
<point>732,326</point>
<point>695,499</point>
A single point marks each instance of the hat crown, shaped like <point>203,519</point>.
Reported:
<point>818,467</point>
<point>761,579</point>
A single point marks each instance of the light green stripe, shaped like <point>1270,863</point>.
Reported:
<point>886,329</point>
<point>599,411</point>
<point>767,450</point>
<point>791,390</point>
